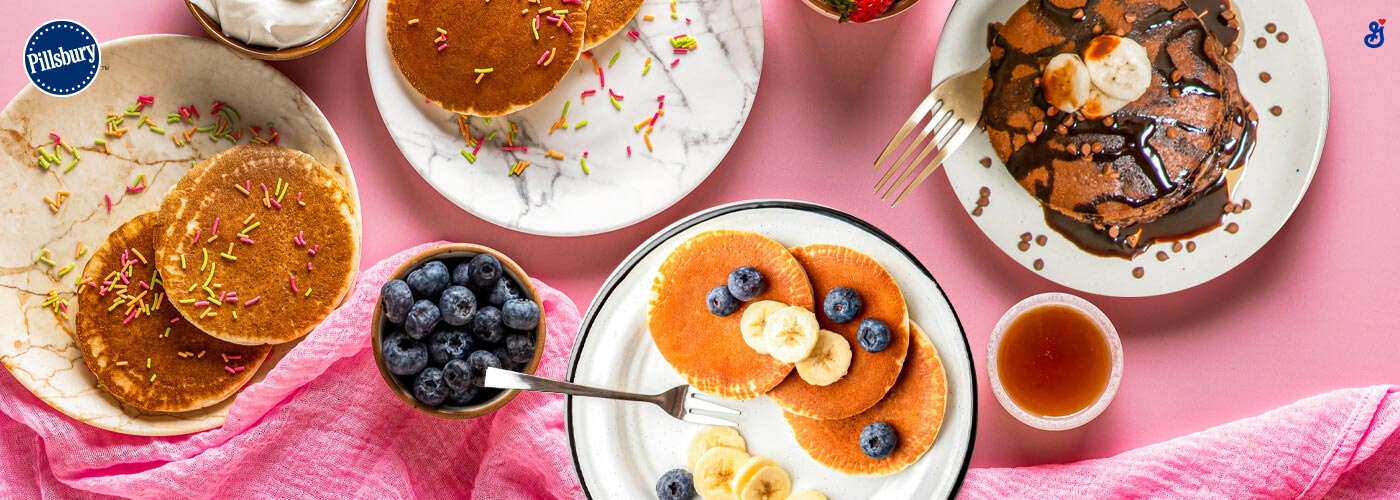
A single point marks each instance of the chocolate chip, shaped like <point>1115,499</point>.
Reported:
<point>1038,128</point>
<point>1113,231</point>
<point>1085,149</point>
<point>1038,264</point>
<point>1162,256</point>
<point>1282,37</point>
<point>1232,228</point>
<point>1227,14</point>
<point>1130,18</point>
<point>1175,93</point>
<point>1176,75</point>
<point>1062,130</point>
<point>1190,246</point>
<point>1276,110</point>
<point>1139,272</point>
<point>1098,29</point>
<point>977,212</point>
<point>1271,27</point>
<point>1229,207</point>
<point>1078,15</point>
<point>1247,205</point>
<point>1052,111</point>
<point>986,162</point>
<point>1172,133</point>
<point>1108,122</point>
<point>1265,77</point>
<point>1098,147</point>
<point>1260,42</point>
<point>1176,246</point>
<point>1026,236</point>
<point>1041,240</point>
<point>1023,246</point>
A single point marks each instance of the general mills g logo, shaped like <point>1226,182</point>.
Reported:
<point>61,58</point>
<point>1377,36</point>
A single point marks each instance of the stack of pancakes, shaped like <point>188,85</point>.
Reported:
<point>179,307</point>
<point>902,385</point>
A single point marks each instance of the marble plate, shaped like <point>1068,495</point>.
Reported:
<point>708,98</point>
<point>1276,176</point>
<point>35,345</point>
<point>620,449</point>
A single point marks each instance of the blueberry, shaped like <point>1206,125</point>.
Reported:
<point>485,271</point>
<point>479,361</point>
<point>462,274</point>
<point>404,355</point>
<point>457,375</point>
<point>675,484</point>
<point>842,304</point>
<point>461,397</point>
<point>521,347</point>
<point>746,283</point>
<point>503,355</point>
<point>447,345</point>
<point>428,280</point>
<point>487,326</point>
<point>521,314</point>
<point>397,299</point>
<point>505,290</point>
<point>874,335</point>
<point>458,305</point>
<point>429,388</point>
<point>878,440</point>
<point>720,301</point>
<point>422,319</point>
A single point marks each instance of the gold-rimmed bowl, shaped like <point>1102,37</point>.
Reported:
<point>272,54</point>
<point>378,325</point>
<point>895,9</point>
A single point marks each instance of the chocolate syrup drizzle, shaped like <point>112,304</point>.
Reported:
<point>1129,135</point>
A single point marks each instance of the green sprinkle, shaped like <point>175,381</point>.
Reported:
<point>158,130</point>
<point>616,104</point>
<point>148,362</point>
<point>227,256</point>
<point>206,128</point>
<point>132,113</point>
<point>584,163</point>
<point>100,142</point>
<point>212,266</point>
<point>167,332</point>
<point>235,314</point>
<point>308,292</point>
<point>182,261</point>
<point>153,377</point>
<point>115,304</point>
<point>488,121</point>
<point>471,158</point>
<point>187,301</point>
<point>580,125</point>
<point>614,58</point>
<point>245,230</point>
<point>71,164</point>
<point>43,163</point>
<point>492,135</point>
<point>65,269</point>
<point>48,261</point>
<point>204,264</point>
<point>192,287</point>
<point>484,70</point>
<point>566,109</point>
<point>646,69</point>
<point>42,253</point>
<point>172,118</point>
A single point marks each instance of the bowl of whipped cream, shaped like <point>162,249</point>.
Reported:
<point>276,30</point>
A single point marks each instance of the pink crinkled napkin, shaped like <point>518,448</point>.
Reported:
<point>322,425</point>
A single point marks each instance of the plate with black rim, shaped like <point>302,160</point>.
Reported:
<point>621,449</point>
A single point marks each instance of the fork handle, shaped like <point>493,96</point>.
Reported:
<point>497,378</point>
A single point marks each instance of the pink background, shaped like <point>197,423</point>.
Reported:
<point>1313,311</point>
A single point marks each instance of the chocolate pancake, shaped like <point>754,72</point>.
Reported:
<point>871,373</point>
<point>141,350</point>
<point>507,37</point>
<point>1157,154</point>
<point>708,350</point>
<point>914,407</point>
<point>606,18</point>
<point>259,246</point>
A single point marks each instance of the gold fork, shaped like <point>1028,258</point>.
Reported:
<point>950,114</point>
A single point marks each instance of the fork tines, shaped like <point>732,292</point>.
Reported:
<point>704,409</point>
<point>949,115</point>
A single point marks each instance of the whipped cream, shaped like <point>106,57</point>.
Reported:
<point>275,23</point>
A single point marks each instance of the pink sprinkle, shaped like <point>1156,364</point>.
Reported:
<point>655,116</point>
<point>63,306</point>
<point>543,56</point>
<point>629,151</point>
<point>614,94</point>
<point>442,47</point>
<point>633,34</point>
<point>680,36</point>
<point>274,202</point>
<point>308,266</point>
<point>553,19</point>
<point>300,239</point>
<point>687,20</point>
<point>235,358</point>
<point>252,301</point>
<point>246,240</point>
<point>314,249</point>
<point>108,197</point>
<point>130,316</point>
<point>56,139</point>
<point>566,26</point>
<point>585,154</point>
<point>144,285</point>
<point>202,303</point>
<point>232,297</point>
<point>298,196</point>
<point>215,231</point>
<point>124,279</point>
<point>522,149</point>
<point>602,82</point>
<point>197,234</point>
<point>175,319</point>
<point>680,51</point>
<point>229,370</point>
<point>587,93</point>
<point>135,189</point>
<point>479,142</point>
<point>248,184</point>
<point>236,368</point>
<point>675,62</point>
<point>661,104</point>
<point>222,296</point>
<point>661,98</point>
<point>293,282</point>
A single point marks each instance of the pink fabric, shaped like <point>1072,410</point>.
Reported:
<point>323,424</point>
<point>1343,444</point>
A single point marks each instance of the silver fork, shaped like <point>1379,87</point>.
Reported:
<point>682,402</point>
<point>951,112</point>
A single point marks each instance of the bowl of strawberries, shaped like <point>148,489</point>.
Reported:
<point>859,11</point>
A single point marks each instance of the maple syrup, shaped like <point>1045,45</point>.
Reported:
<point>1054,361</point>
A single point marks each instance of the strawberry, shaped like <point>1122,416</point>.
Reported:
<point>860,11</point>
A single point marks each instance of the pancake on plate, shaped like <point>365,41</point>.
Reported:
<point>137,345</point>
<point>606,18</point>
<point>484,58</point>
<point>914,407</point>
<point>259,245</point>
<point>871,374</point>
<point>708,350</point>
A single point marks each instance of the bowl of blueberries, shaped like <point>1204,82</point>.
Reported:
<point>445,317</point>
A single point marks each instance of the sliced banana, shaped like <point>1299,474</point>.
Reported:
<point>1119,67</point>
<point>1066,82</point>
<point>713,437</point>
<point>790,334</point>
<point>769,483</point>
<point>749,469</point>
<point>1101,105</point>
<point>755,317</point>
<point>807,495</point>
<point>829,362</point>
<point>714,473</point>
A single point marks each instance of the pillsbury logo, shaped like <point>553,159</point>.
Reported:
<point>61,58</point>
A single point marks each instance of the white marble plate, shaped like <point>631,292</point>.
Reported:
<point>35,345</point>
<point>708,97</point>
<point>621,449</point>
<point>1276,176</point>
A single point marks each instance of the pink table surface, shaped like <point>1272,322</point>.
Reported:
<point>1314,310</point>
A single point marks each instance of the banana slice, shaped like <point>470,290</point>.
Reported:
<point>829,362</point>
<point>1119,67</point>
<point>769,483</point>
<point>790,334</point>
<point>748,470</point>
<point>713,437</point>
<point>714,473</point>
<point>1066,82</point>
<point>755,317</point>
<point>807,495</point>
<point>1101,105</point>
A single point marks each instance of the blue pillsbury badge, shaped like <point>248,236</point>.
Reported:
<point>62,58</point>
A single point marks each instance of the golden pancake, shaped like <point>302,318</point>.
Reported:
<point>871,374</point>
<point>263,267</point>
<point>914,407</point>
<point>507,37</point>
<point>708,350</point>
<point>606,18</point>
<point>138,354</point>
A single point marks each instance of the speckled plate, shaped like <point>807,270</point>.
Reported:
<point>708,97</point>
<point>35,344</point>
<point>1275,179</point>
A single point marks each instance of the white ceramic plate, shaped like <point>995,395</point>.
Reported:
<point>621,449</point>
<point>1276,176</point>
<point>34,345</point>
<point>708,97</point>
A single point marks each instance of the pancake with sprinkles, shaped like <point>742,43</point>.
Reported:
<point>141,350</point>
<point>606,18</point>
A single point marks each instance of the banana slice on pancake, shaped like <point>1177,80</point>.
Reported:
<point>790,334</point>
<point>829,362</point>
<point>754,319</point>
